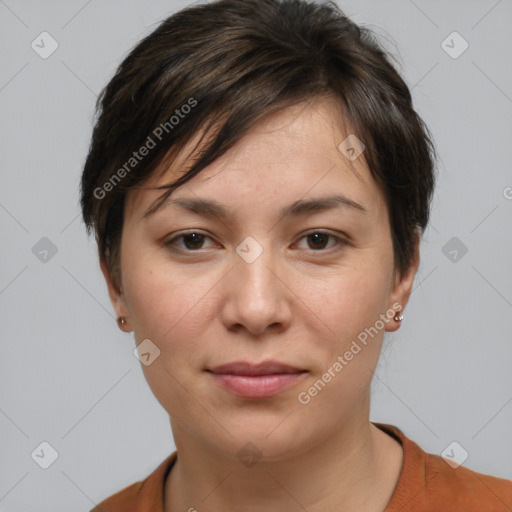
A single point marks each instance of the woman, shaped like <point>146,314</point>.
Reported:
<point>258,182</point>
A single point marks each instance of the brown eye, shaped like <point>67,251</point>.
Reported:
<point>193,240</point>
<point>318,241</point>
<point>189,242</point>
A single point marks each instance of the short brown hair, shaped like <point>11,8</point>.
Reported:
<point>232,62</point>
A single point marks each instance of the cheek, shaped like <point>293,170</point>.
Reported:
<point>166,305</point>
<point>351,299</point>
<point>173,311</point>
<point>351,308</point>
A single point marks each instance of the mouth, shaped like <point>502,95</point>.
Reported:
<point>261,380</point>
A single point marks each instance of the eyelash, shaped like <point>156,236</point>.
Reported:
<point>340,242</point>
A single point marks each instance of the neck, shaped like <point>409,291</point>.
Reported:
<point>355,470</point>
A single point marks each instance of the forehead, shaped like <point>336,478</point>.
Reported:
<point>297,152</point>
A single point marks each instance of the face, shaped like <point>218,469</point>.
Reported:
<point>312,288</point>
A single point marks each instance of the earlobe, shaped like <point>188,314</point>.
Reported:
<point>403,289</point>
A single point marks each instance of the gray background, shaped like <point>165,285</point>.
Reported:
<point>67,373</point>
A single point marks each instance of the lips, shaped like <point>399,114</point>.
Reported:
<point>246,368</point>
<point>261,380</point>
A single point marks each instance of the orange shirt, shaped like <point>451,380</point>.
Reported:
<point>427,483</point>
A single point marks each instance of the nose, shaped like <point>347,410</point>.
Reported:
<point>257,295</point>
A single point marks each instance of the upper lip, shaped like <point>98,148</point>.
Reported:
<point>246,368</point>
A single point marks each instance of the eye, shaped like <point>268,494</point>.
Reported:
<point>319,239</point>
<point>192,242</point>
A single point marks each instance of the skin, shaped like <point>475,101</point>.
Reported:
<point>302,302</point>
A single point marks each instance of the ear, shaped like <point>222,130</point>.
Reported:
<point>403,287</point>
<point>116,295</point>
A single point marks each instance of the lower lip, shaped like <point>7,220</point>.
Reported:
<point>257,386</point>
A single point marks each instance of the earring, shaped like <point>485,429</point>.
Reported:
<point>121,321</point>
<point>398,317</point>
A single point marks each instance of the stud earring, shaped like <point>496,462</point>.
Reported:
<point>398,317</point>
<point>121,321</point>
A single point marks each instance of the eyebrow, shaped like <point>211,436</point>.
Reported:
<point>212,208</point>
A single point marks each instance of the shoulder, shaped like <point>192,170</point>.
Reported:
<point>141,496</point>
<point>428,482</point>
<point>121,500</point>
<point>465,489</point>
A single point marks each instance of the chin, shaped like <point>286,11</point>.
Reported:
<point>273,434</point>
